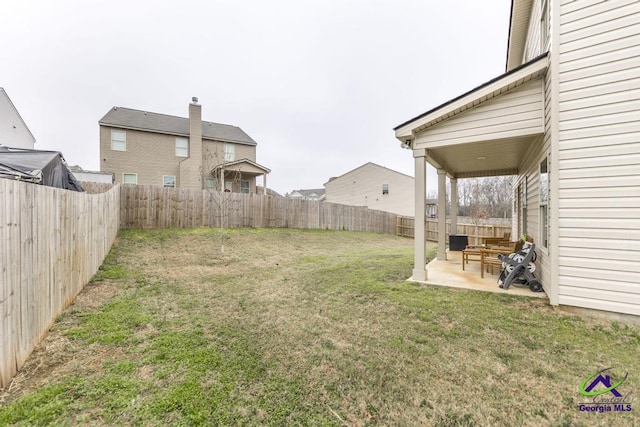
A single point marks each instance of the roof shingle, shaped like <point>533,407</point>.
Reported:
<point>128,118</point>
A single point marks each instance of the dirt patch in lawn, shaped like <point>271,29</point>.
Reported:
<point>58,356</point>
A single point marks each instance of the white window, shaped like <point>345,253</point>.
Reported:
<point>118,140</point>
<point>182,147</point>
<point>210,183</point>
<point>244,187</point>
<point>229,152</point>
<point>130,178</point>
<point>169,181</point>
<point>385,188</point>
<point>544,203</point>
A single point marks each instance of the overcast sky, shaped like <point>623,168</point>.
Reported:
<point>319,84</point>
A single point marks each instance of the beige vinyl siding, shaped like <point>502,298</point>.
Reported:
<point>532,47</point>
<point>518,112</point>
<point>213,153</point>
<point>529,168</point>
<point>363,187</point>
<point>149,155</point>
<point>599,158</point>
<point>13,131</point>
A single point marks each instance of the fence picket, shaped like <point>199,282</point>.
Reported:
<point>52,243</point>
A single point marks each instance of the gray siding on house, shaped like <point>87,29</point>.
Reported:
<point>599,157</point>
<point>514,113</point>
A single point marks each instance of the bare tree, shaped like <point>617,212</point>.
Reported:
<point>220,184</point>
<point>493,193</point>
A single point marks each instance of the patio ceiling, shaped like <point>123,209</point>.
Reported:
<point>486,158</point>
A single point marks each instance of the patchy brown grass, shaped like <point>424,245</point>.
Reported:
<point>305,328</point>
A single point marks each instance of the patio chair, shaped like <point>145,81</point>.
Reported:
<point>495,241</point>
<point>471,253</point>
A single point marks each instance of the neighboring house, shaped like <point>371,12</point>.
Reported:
<point>140,147</point>
<point>373,186</point>
<point>92,176</point>
<point>13,130</point>
<point>268,191</point>
<point>317,194</point>
<point>564,119</point>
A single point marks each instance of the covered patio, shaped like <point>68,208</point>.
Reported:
<point>487,131</point>
<point>234,176</point>
<point>449,273</point>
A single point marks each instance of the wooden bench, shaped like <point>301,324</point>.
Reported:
<point>489,256</point>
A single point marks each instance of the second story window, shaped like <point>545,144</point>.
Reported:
<point>182,147</point>
<point>229,152</point>
<point>385,188</point>
<point>118,140</point>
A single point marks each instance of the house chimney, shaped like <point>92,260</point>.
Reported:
<point>191,168</point>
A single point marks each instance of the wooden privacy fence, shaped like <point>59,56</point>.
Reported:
<point>405,227</point>
<point>143,206</point>
<point>52,242</point>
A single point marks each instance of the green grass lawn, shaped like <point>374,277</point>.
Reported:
<point>294,327</point>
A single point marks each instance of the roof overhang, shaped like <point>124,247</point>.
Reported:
<point>244,166</point>
<point>485,131</point>
<point>495,87</point>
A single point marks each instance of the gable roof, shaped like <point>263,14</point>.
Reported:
<point>366,165</point>
<point>128,118</point>
<point>307,193</point>
<point>494,87</point>
<point>237,165</point>
<point>6,108</point>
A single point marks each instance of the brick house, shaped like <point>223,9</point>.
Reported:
<point>145,148</point>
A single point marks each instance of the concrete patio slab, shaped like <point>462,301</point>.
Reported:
<point>449,273</point>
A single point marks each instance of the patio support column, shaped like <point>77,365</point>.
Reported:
<point>442,215</point>
<point>454,206</point>
<point>419,235</point>
<point>264,183</point>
